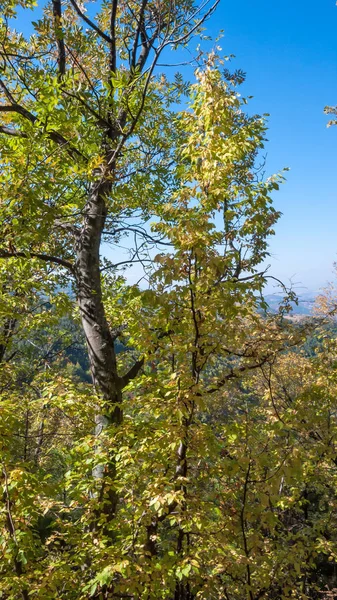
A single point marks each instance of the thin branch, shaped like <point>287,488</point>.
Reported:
<point>185,37</point>
<point>125,262</point>
<point>139,231</point>
<point>186,63</point>
<point>235,374</point>
<point>30,57</point>
<point>68,227</point>
<point>249,277</point>
<point>90,23</point>
<point>147,46</point>
<point>91,85</point>
<point>102,122</point>
<point>137,116</point>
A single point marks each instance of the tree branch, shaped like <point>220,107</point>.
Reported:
<point>78,64</point>
<point>12,132</point>
<point>185,37</point>
<point>90,23</point>
<point>113,59</point>
<point>45,257</point>
<point>100,120</point>
<point>235,374</point>
<point>139,231</point>
<point>131,374</point>
<point>17,108</point>
<point>136,38</point>
<point>53,135</point>
<point>57,14</point>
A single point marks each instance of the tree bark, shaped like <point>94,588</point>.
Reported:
<point>100,343</point>
<point>101,349</point>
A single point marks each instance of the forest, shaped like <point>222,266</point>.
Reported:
<point>165,436</point>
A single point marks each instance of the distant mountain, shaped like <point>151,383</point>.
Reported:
<point>304,307</point>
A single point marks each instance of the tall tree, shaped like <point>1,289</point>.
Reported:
<point>166,503</point>
<point>87,148</point>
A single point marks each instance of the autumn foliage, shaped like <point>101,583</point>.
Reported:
<point>171,438</point>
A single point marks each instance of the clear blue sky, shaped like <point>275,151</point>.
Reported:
<point>289,52</point>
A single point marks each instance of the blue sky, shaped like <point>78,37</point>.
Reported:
<point>289,51</point>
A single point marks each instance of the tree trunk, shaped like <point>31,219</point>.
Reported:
<point>101,349</point>
<point>8,328</point>
<point>99,340</point>
<point>182,592</point>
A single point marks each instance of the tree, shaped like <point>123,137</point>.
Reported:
<point>192,483</point>
<point>88,148</point>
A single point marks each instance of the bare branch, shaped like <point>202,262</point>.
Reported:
<point>202,19</point>
<point>140,231</point>
<point>67,227</point>
<point>125,262</point>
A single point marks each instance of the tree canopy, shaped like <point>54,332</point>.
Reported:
<point>172,438</point>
